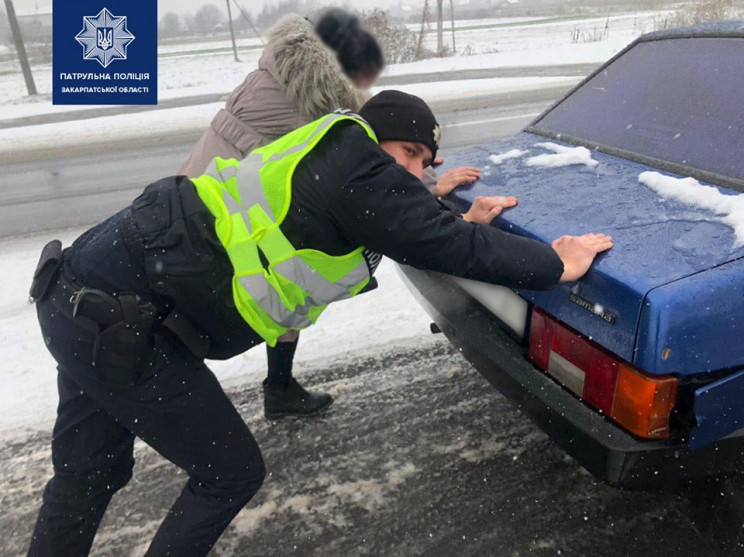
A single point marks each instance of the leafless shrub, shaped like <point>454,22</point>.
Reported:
<point>397,41</point>
<point>698,12</point>
<point>594,35</point>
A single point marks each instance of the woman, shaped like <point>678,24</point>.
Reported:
<point>305,72</point>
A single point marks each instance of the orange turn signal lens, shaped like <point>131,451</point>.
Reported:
<point>642,403</point>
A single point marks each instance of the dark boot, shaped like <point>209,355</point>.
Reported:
<point>292,400</point>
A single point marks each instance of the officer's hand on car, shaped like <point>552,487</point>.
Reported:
<point>485,209</point>
<point>454,177</point>
<point>578,253</point>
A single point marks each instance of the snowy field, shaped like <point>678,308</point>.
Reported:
<point>182,73</point>
<point>29,394</point>
<point>553,33</point>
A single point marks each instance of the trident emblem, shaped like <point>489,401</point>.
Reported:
<point>105,38</point>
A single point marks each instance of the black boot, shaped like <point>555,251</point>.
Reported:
<point>283,396</point>
<point>292,400</point>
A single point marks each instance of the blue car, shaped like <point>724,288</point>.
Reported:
<point>636,370</point>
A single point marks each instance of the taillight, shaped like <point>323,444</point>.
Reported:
<point>639,402</point>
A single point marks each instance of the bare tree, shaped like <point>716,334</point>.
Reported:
<point>271,13</point>
<point>170,26</point>
<point>207,18</point>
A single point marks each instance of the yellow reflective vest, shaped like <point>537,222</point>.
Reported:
<point>275,286</point>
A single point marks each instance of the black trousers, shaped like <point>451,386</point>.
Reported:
<point>177,407</point>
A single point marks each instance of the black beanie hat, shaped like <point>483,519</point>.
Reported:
<point>398,116</point>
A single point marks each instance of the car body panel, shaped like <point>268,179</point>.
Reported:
<point>695,324</point>
<point>657,242</point>
<point>719,410</point>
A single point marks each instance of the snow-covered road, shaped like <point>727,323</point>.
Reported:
<point>75,188</point>
<point>419,456</point>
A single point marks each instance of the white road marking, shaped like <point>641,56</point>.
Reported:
<point>492,120</point>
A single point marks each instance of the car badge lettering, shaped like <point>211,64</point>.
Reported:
<point>596,309</point>
<point>104,37</point>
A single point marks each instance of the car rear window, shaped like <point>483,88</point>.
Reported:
<point>678,100</point>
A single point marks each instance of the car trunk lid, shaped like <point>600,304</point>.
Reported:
<point>657,241</point>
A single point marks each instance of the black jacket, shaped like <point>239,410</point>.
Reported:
<point>347,192</point>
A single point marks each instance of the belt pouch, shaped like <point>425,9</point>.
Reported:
<point>123,341</point>
<point>49,263</point>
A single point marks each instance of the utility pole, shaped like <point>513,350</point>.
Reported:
<point>424,19</point>
<point>20,49</point>
<point>232,31</point>
<point>440,32</point>
<point>452,16</point>
<point>248,19</point>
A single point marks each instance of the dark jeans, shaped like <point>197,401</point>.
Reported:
<point>177,407</point>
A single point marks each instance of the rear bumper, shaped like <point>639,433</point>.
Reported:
<point>608,452</point>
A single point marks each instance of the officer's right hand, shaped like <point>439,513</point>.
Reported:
<point>455,177</point>
<point>485,209</point>
<point>578,253</point>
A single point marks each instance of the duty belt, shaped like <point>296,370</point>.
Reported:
<point>97,311</point>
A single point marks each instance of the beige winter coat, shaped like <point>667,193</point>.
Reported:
<point>297,81</point>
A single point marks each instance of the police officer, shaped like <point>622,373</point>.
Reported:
<point>211,267</point>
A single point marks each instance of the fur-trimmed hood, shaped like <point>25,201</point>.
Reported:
<point>309,71</point>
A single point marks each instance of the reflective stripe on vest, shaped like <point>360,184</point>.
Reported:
<point>275,286</point>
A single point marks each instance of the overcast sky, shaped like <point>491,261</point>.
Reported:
<point>189,6</point>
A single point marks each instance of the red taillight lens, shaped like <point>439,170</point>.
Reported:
<point>643,403</point>
<point>639,402</point>
<point>541,335</point>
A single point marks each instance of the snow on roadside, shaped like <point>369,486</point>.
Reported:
<point>196,75</point>
<point>707,198</point>
<point>177,78</point>
<point>562,156</point>
<point>566,54</point>
<point>191,118</point>
<point>120,127</point>
<point>44,106</point>
<point>185,71</point>
<point>29,395</point>
<point>467,88</point>
<point>463,23</point>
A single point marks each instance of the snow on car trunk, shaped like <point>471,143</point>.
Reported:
<point>659,240</point>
